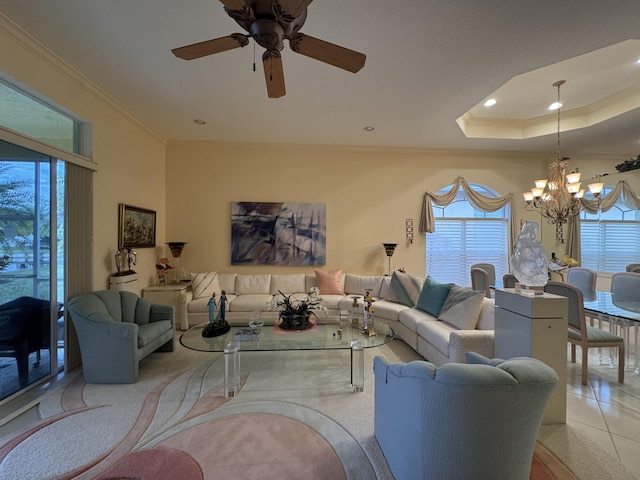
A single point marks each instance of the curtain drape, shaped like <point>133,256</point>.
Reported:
<point>603,203</point>
<point>479,201</point>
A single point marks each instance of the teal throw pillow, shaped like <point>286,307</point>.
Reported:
<point>433,296</point>
<point>404,289</point>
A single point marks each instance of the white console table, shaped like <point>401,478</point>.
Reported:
<point>535,326</point>
<point>173,294</point>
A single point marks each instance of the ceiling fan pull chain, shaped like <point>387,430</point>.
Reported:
<point>254,56</point>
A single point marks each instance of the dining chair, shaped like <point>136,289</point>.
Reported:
<point>625,285</point>
<point>490,269</point>
<point>582,335</point>
<point>480,281</point>
<point>585,280</point>
<point>633,267</point>
<point>509,280</point>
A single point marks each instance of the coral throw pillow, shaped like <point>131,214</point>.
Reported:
<point>329,282</point>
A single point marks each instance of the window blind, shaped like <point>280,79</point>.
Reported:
<point>609,245</point>
<point>458,243</point>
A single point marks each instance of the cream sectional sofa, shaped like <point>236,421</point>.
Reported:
<point>437,340</point>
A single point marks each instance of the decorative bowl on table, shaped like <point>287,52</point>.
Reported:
<point>255,324</point>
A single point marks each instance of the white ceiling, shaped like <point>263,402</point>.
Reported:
<point>429,62</point>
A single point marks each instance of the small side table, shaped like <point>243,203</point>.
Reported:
<point>174,294</point>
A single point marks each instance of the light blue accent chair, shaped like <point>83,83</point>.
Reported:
<point>477,420</point>
<point>118,329</point>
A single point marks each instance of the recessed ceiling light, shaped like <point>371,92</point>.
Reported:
<point>368,128</point>
<point>199,121</point>
<point>555,106</point>
<point>638,61</point>
<point>490,103</point>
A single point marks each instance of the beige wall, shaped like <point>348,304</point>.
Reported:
<point>368,192</point>
<point>130,157</point>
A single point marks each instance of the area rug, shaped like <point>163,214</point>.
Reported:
<point>294,417</point>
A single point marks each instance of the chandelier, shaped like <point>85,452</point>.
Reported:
<point>558,197</point>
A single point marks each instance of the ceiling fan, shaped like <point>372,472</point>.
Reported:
<point>269,23</point>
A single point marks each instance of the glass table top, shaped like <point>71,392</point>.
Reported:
<point>608,304</point>
<point>321,337</point>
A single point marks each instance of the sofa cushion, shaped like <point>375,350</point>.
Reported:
<point>433,296</point>
<point>332,301</point>
<point>389,310</point>
<point>411,317</point>
<point>487,314</point>
<point>384,288</point>
<point>228,282</point>
<point>249,284</point>
<point>330,281</point>
<point>404,289</point>
<point>462,307</point>
<point>358,284</point>
<point>436,334</point>
<point>250,303</point>
<point>291,283</point>
<point>149,332</point>
<point>205,284</point>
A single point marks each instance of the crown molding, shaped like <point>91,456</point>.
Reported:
<point>45,55</point>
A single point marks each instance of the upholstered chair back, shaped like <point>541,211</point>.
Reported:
<point>460,421</point>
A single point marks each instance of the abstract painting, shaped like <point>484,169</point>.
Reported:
<point>269,233</point>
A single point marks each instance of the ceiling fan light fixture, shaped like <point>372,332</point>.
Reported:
<point>269,23</point>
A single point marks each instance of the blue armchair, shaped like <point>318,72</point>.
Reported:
<point>116,330</point>
<point>473,420</point>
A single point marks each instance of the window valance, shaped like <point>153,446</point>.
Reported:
<point>606,202</point>
<point>479,201</point>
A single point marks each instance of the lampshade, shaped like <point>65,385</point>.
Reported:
<point>389,248</point>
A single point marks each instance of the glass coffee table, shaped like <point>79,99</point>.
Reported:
<point>321,337</point>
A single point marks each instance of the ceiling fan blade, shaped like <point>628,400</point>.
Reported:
<point>209,47</point>
<point>233,4</point>
<point>273,73</point>
<point>294,7</point>
<point>326,52</point>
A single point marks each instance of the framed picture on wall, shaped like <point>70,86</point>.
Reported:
<point>284,233</point>
<point>136,227</point>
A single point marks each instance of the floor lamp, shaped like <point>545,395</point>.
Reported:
<point>176,251</point>
<point>389,248</point>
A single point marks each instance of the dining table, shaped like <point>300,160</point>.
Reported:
<point>621,313</point>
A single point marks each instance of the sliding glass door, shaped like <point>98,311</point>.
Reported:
<point>31,267</point>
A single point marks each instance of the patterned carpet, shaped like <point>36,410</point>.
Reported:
<point>294,417</point>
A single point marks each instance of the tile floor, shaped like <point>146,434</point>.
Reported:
<point>604,411</point>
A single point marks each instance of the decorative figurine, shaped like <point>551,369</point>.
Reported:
<point>367,317</point>
<point>529,261</point>
<point>125,256</point>
<point>217,323</point>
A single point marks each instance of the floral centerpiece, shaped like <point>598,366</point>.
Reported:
<point>295,314</point>
<point>163,265</point>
